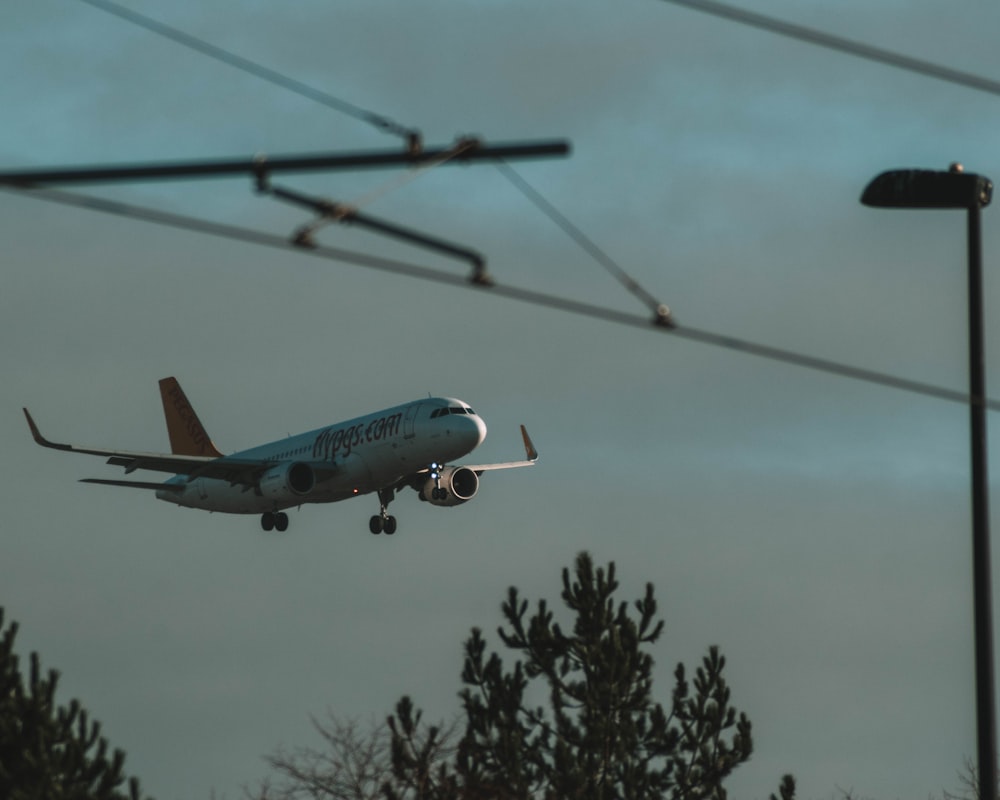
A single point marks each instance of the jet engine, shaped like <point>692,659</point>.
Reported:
<point>293,479</point>
<point>452,487</point>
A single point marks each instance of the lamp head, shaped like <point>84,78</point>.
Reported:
<point>926,188</point>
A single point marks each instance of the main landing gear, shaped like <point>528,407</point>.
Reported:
<point>383,522</point>
<point>276,520</point>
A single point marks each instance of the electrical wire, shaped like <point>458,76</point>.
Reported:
<point>590,310</point>
<point>660,311</point>
<point>257,70</point>
<point>840,44</point>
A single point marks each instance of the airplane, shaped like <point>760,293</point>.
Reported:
<point>408,445</point>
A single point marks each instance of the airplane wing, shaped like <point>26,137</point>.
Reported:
<point>529,451</point>
<point>238,471</point>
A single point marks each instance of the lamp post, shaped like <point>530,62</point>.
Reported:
<point>915,188</point>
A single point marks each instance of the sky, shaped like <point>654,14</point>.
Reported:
<point>815,527</point>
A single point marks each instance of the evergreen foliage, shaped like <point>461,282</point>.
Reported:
<point>601,735</point>
<point>48,751</point>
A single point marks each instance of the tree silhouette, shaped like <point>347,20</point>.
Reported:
<point>353,762</point>
<point>601,735</point>
<point>48,751</point>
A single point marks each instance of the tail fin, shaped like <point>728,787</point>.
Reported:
<point>187,435</point>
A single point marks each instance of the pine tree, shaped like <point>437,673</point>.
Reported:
<point>601,735</point>
<point>51,752</point>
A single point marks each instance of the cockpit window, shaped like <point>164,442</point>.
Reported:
<point>442,412</point>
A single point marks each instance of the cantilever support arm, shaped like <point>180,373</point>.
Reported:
<point>339,212</point>
<point>315,162</point>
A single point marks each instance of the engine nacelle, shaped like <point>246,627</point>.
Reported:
<point>287,480</point>
<point>457,484</point>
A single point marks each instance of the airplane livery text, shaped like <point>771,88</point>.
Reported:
<point>332,441</point>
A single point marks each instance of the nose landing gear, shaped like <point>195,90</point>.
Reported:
<point>437,493</point>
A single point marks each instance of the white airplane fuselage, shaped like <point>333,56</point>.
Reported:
<point>367,453</point>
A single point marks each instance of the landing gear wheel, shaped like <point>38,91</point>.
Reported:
<point>267,521</point>
<point>281,521</point>
<point>382,522</point>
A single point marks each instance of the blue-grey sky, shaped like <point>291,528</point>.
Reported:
<point>815,527</point>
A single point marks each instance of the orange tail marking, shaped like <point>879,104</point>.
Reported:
<point>187,435</point>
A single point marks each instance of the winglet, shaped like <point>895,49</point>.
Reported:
<point>37,434</point>
<point>529,447</point>
<point>187,435</point>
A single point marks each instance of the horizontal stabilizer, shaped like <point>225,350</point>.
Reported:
<point>167,487</point>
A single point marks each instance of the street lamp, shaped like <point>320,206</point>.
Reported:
<point>918,188</point>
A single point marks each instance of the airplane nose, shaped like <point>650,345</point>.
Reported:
<point>481,428</point>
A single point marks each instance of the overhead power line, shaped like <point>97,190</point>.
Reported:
<point>520,294</point>
<point>840,44</point>
<point>260,169</point>
<point>263,165</point>
<point>661,313</point>
<point>411,135</point>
